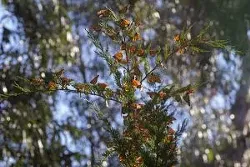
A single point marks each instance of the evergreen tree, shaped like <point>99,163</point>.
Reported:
<point>147,138</point>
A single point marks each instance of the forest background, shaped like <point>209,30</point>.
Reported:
<point>41,36</point>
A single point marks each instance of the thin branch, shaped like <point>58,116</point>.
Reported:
<point>157,65</point>
<point>66,90</point>
<point>127,56</point>
<point>94,94</point>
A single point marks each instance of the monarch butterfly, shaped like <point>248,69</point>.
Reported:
<point>124,23</point>
<point>52,85</point>
<point>136,83</point>
<point>102,85</point>
<point>154,78</point>
<point>118,56</point>
<point>177,38</point>
<point>94,80</point>
<point>103,13</point>
<point>136,37</point>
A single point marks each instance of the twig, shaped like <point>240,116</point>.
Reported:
<point>157,65</point>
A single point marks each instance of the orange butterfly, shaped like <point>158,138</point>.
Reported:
<point>103,13</point>
<point>136,37</point>
<point>136,83</point>
<point>124,23</point>
<point>118,56</point>
<point>102,85</point>
<point>140,52</point>
<point>154,78</point>
<point>162,94</point>
<point>52,85</point>
<point>177,38</point>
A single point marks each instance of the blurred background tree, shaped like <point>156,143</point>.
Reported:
<point>37,37</point>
